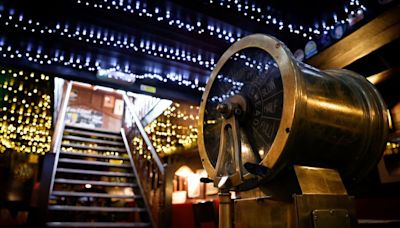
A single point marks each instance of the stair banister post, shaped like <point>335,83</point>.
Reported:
<point>139,125</point>
<point>153,192</point>
<point>58,131</point>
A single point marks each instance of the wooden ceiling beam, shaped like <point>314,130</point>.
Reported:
<point>384,75</point>
<point>380,31</point>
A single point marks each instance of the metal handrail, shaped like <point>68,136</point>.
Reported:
<point>156,110</point>
<point>60,124</point>
<point>146,138</point>
<point>58,132</point>
<point>125,139</point>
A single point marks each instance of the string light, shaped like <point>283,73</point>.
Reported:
<point>266,16</point>
<point>61,57</point>
<point>172,132</point>
<point>90,34</point>
<point>171,15</point>
<point>26,117</point>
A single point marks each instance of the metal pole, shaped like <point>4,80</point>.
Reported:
<point>139,125</point>
<point>225,209</point>
<point>134,169</point>
<point>60,124</point>
<point>58,132</point>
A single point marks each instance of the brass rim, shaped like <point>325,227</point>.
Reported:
<point>289,72</point>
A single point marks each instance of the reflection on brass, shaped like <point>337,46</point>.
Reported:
<point>383,76</point>
<point>296,114</point>
<point>263,212</point>
<point>310,208</point>
<point>252,193</point>
<point>331,218</point>
<point>225,210</point>
<point>229,157</point>
<point>319,181</point>
<point>291,113</point>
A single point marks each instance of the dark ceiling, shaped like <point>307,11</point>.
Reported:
<point>169,45</point>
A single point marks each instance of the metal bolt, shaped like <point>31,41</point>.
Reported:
<point>222,108</point>
<point>238,111</point>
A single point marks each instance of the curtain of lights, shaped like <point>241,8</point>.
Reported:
<point>25,111</point>
<point>174,131</point>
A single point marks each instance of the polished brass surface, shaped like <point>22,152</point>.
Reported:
<point>331,218</point>
<point>263,212</point>
<point>229,168</point>
<point>314,180</point>
<point>278,51</point>
<point>332,118</point>
<point>229,163</point>
<point>310,208</point>
<point>225,210</point>
<point>313,207</point>
<point>252,193</point>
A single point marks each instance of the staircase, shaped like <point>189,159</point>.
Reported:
<point>94,183</point>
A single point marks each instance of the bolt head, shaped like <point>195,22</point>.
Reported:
<point>222,108</point>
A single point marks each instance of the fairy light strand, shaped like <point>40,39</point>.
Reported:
<point>172,132</point>
<point>263,15</point>
<point>43,57</point>
<point>25,113</point>
<point>170,16</point>
<point>95,35</point>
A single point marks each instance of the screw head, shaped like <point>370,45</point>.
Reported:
<point>222,108</point>
<point>238,111</point>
